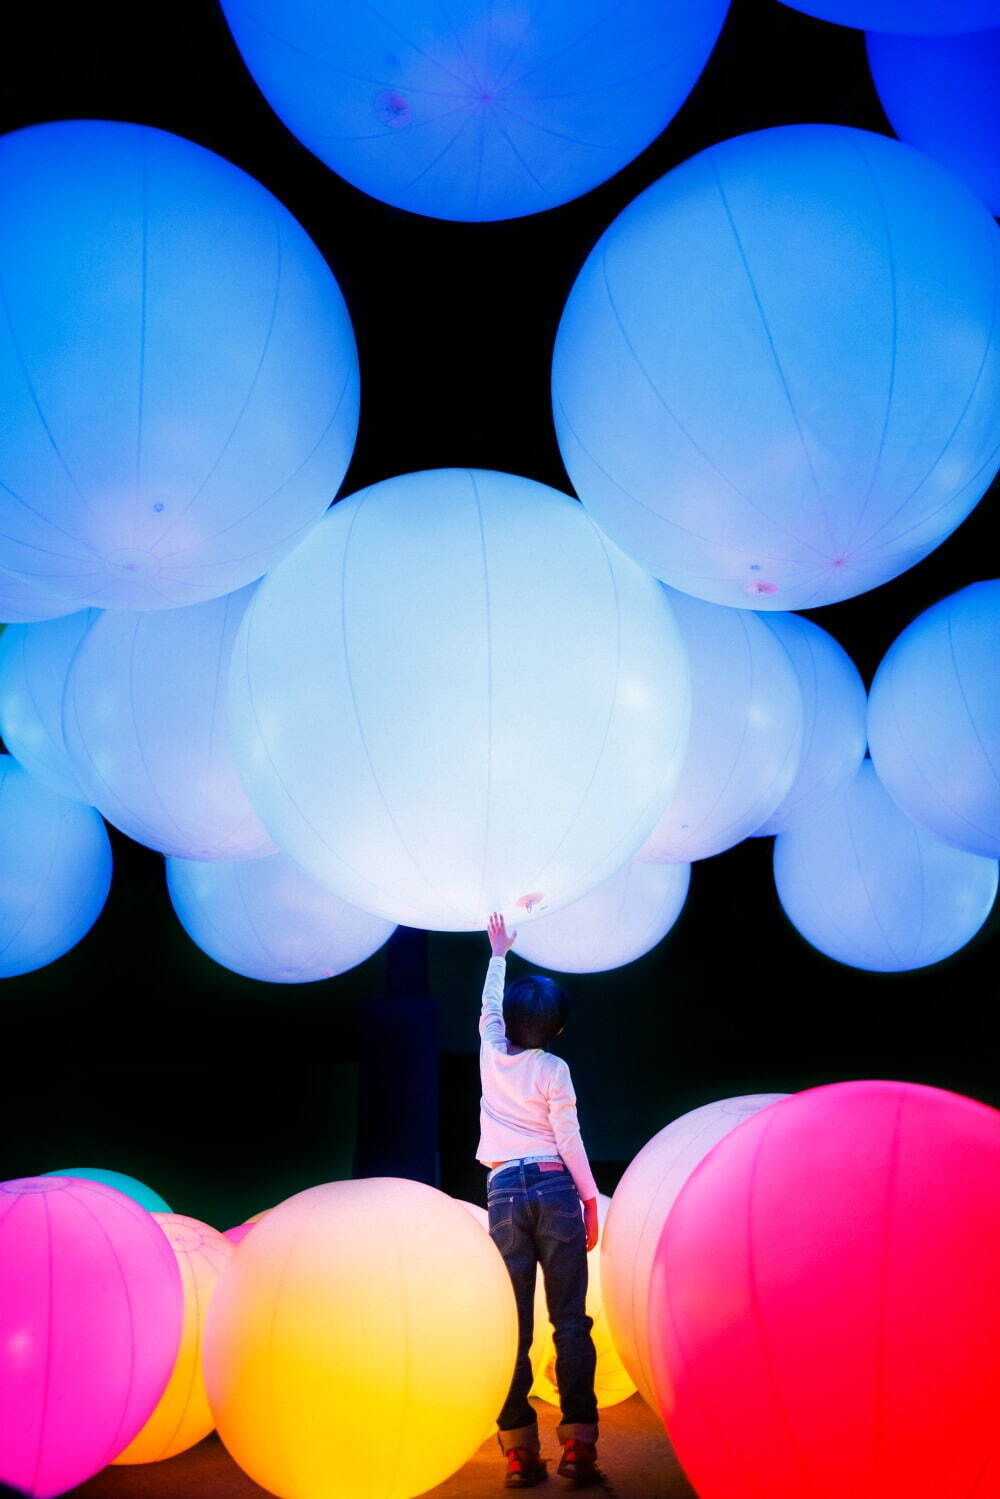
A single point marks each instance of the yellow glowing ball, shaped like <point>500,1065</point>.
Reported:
<point>182,1417</point>
<point>360,1342</point>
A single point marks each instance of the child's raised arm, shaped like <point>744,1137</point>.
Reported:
<point>491,1026</point>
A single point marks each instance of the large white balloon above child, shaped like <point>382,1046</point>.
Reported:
<point>616,923</point>
<point>743,394</point>
<point>177,369</point>
<point>457,696</point>
<point>146,725</point>
<point>478,109</point>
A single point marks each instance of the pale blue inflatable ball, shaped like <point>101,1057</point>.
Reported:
<point>743,395</point>
<point>934,719</point>
<point>912,17</point>
<point>478,109</point>
<point>834,703</point>
<point>942,95</point>
<point>34,663</point>
<point>23,602</point>
<point>137,1190</point>
<point>619,922</point>
<point>178,373</point>
<point>55,871</point>
<point>268,920</point>
<point>865,885</point>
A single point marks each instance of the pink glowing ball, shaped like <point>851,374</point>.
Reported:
<point>91,1307</point>
<point>825,1301</point>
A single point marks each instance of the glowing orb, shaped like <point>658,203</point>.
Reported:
<point>874,890</point>
<point>833,708</point>
<point>742,392</point>
<point>34,663</point>
<point>177,369</point>
<point>485,711</point>
<point>615,924</point>
<point>182,1416</point>
<point>137,1190</point>
<point>934,719</point>
<point>55,871</point>
<point>90,1320</point>
<point>268,920</point>
<point>145,719</point>
<point>639,1208</point>
<point>746,734</point>
<point>366,1329</point>
<point>478,109</point>
<point>820,1263</point>
<point>913,17</point>
<point>941,95</point>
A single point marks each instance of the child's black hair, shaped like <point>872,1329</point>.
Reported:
<point>534,1010</point>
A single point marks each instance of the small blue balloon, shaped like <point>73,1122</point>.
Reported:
<point>137,1190</point>
<point>911,17</point>
<point>868,887</point>
<point>34,665</point>
<point>55,871</point>
<point>476,109</point>
<point>942,95</point>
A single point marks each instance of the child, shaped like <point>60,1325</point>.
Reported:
<point>539,1174</point>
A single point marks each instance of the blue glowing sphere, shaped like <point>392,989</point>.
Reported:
<point>746,733</point>
<point>456,696</point>
<point>934,719</point>
<point>55,871</point>
<point>145,717</point>
<point>267,919</point>
<point>137,1190</point>
<point>23,601</point>
<point>178,373</point>
<point>743,395</point>
<point>34,664</point>
<point>834,703</point>
<point>620,921</point>
<point>942,95</point>
<point>912,17</point>
<point>478,109</point>
<point>870,888</point>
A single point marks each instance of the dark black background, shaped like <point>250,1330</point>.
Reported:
<point>137,1052</point>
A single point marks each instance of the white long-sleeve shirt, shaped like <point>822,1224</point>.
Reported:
<point>528,1105</point>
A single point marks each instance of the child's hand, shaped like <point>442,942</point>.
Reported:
<point>501,941</point>
<point>590,1222</point>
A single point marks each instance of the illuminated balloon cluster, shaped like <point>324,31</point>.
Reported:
<point>620,921</point>
<point>145,721</point>
<point>934,719</point>
<point>177,369</point>
<point>90,1324</point>
<point>869,887</point>
<point>474,109</point>
<point>825,1258</point>
<point>746,733</point>
<point>268,920</point>
<point>55,871</point>
<point>489,704</point>
<point>365,1329</point>
<point>742,392</point>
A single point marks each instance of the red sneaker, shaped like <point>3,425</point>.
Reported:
<point>524,1468</point>
<point>579,1465</point>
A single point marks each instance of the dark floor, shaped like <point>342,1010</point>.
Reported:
<point>634,1453</point>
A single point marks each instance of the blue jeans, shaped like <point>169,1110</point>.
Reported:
<point>535,1219</point>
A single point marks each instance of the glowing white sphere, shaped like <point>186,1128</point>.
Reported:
<point>941,95</point>
<point>267,919</point>
<point>934,719</point>
<point>478,109</point>
<point>873,889</point>
<point>55,871</point>
<point>366,1330</point>
<point>622,919</point>
<point>639,1208</point>
<point>612,1383</point>
<point>34,663</point>
<point>913,17</point>
<point>458,696</point>
<point>834,704</point>
<point>746,734</point>
<point>743,397</point>
<point>177,369</point>
<point>145,718</point>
